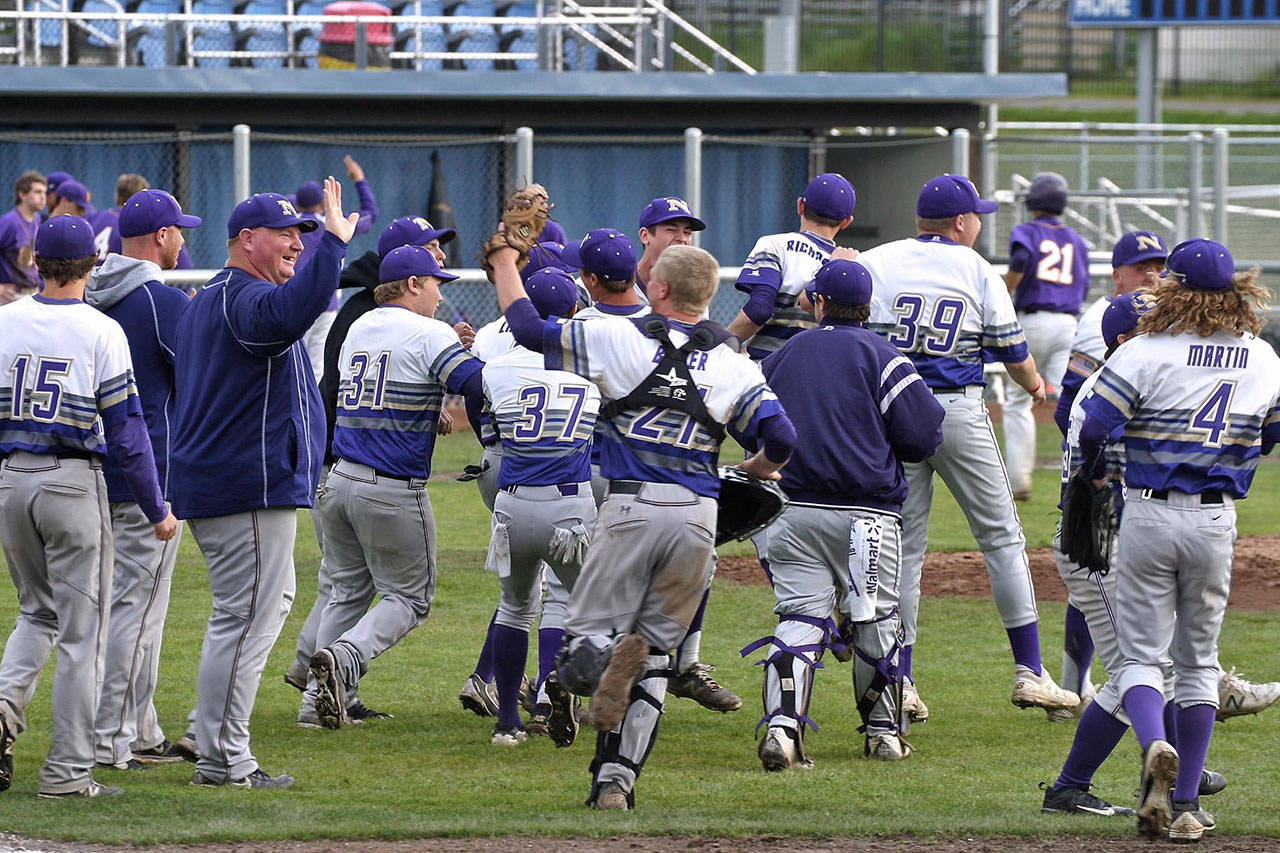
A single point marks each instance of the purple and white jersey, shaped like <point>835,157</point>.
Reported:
<point>492,340</point>
<point>544,418</point>
<point>395,369</point>
<point>659,445</point>
<point>64,363</point>
<point>944,307</point>
<point>17,250</point>
<point>1196,411</point>
<point>785,263</point>
<point>1055,263</point>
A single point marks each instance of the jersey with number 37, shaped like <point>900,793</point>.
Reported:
<point>1197,412</point>
<point>394,371</point>
<point>942,305</point>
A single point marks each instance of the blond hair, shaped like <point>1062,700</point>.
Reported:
<point>693,275</point>
<point>128,184</point>
<point>390,290</point>
<point>1181,309</point>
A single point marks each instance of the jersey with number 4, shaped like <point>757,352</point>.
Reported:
<point>786,263</point>
<point>64,363</point>
<point>944,307</point>
<point>1056,278</point>
<point>544,418</point>
<point>395,368</point>
<point>1197,412</point>
<point>660,445</point>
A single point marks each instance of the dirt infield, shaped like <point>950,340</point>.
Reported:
<point>1255,578</point>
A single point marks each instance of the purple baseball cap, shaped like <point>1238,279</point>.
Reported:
<point>267,210</point>
<point>845,282</point>
<point>830,195</point>
<point>310,194</point>
<point>545,255</point>
<point>606,252</point>
<point>404,261</point>
<point>56,179</point>
<point>1121,316</point>
<point>553,292</point>
<point>1048,192</point>
<point>65,237</point>
<point>411,231</point>
<point>951,195</point>
<point>551,233</point>
<point>1201,265</point>
<point>74,191</point>
<point>1138,246</point>
<point>148,211</point>
<point>666,209</point>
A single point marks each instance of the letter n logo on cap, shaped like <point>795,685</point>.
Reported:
<point>1147,241</point>
<point>285,207</point>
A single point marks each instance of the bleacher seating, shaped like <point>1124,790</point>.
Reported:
<point>472,38</point>
<point>151,40</point>
<point>213,37</point>
<point>264,37</point>
<point>433,37</point>
<point>516,38</point>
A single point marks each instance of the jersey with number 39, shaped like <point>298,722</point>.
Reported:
<point>1198,410</point>
<point>395,368</point>
<point>544,418</point>
<point>659,445</point>
<point>942,305</point>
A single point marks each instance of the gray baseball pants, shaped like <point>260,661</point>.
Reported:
<point>969,463</point>
<point>140,586</point>
<point>1049,336</point>
<point>250,561</point>
<point>379,530</point>
<point>55,527</point>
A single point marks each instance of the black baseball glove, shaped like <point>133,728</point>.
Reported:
<point>747,504</point>
<point>1088,523</point>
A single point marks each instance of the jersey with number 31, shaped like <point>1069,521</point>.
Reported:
<point>943,306</point>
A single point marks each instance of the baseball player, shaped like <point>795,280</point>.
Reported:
<point>127,288</point>
<point>664,222</point>
<point>544,507</point>
<point>397,364</point>
<point>18,273</point>
<point>1198,395</point>
<point>53,198</point>
<point>1049,279</point>
<point>70,380</point>
<point>944,307</point>
<point>106,223</point>
<point>72,199</point>
<point>240,360</point>
<point>651,554</point>
<point>837,542</point>
<point>361,273</point>
<point>781,266</point>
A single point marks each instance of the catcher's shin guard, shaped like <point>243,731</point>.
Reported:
<point>877,679</point>
<point>621,753</point>
<point>788,672</point>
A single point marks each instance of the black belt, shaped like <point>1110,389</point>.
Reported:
<point>955,389</point>
<point>625,487</point>
<point>1213,496</point>
<point>77,454</point>
<point>567,490</point>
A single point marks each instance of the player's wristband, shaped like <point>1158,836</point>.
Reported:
<point>1039,385</point>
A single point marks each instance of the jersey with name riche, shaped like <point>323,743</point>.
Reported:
<point>396,367</point>
<point>787,263</point>
<point>1197,409</point>
<point>942,305</point>
<point>659,445</point>
<point>545,419</point>
<point>64,363</point>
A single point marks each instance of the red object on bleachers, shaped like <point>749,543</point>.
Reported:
<point>345,33</point>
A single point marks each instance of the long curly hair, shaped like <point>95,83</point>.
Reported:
<point>1180,309</point>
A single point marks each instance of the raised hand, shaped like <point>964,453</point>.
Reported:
<point>354,172</point>
<point>340,226</point>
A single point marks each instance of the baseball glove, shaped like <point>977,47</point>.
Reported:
<point>747,504</point>
<point>1088,524</point>
<point>523,218</point>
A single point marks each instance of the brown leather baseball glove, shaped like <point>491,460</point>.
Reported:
<point>523,218</point>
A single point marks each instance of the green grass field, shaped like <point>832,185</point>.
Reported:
<point>431,771</point>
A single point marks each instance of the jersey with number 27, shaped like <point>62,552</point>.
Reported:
<point>944,307</point>
<point>1196,411</point>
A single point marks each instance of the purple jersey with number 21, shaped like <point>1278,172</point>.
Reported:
<point>1057,276</point>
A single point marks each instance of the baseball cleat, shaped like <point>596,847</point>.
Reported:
<point>528,697</point>
<point>186,747</point>
<point>612,696</point>
<point>1237,696</point>
<point>257,779</point>
<point>1159,772</point>
<point>697,684</point>
<point>479,696</point>
<point>912,705</point>
<point>308,719</point>
<point>611,798</point>
<point>1190,822</point>
<point>7,737</point>
<point>92,791</point>
<point>890,747</point>
<point>331,693</point>
<point>537,725</point>
<point>357,713</point>
<point>1079,801</point>
<point>508,736</point>
<point>1066,715</point>
<point>127,764</point>
<point>562,718</point>
<point>779,751</point>
<point>162,753</point>
<point>296,676</point>
<point>1211,782</point>
<point>1040,691</point>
